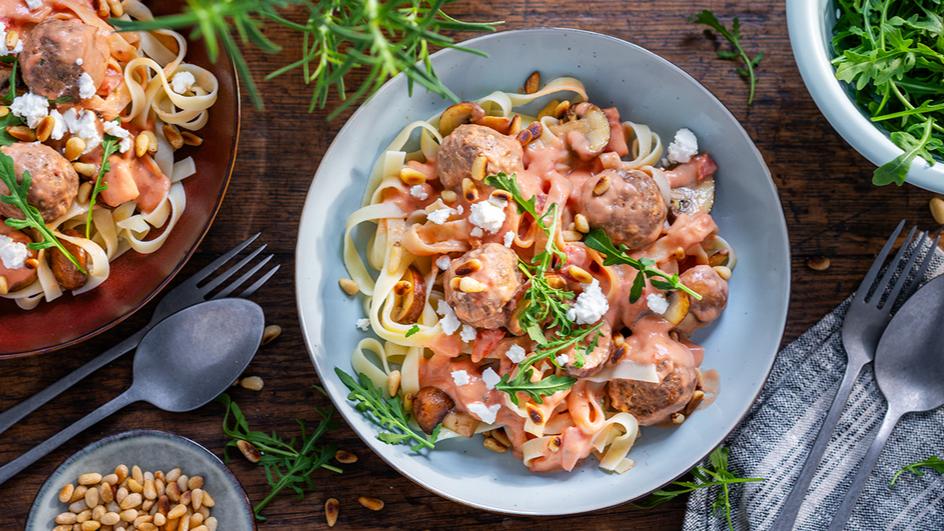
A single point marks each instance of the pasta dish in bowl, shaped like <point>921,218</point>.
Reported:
<point>568,273</point>
<point>100,130</point>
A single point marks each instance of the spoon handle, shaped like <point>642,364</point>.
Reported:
<point>791,507</point>
<point>14,467</point>
<point>16,413</point>
<point>865,470</point>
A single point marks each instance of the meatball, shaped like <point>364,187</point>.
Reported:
<point>57,52</point>
<point>652,403</point>
<point>627,204</point>
<point>713,289</point>
<point>54,180</point>
<point>595,359</point>
<point>494,267</point>
<point>461,147</point>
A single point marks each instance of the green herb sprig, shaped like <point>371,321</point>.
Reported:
<point>109,148</point>
<point>933,462</point>
<point>415,329</point>
<point>737,52</point>
<point>379,38</point>
<point>288,464</point>
<point>32,219</point>
<point>891,53</point>
<point>598,240</point>
<point>386,412</point>
<point>716,474</point>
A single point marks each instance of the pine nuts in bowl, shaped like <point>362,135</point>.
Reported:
<point>145,480</point>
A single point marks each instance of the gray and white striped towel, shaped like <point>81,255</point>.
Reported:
<point>777,433</point>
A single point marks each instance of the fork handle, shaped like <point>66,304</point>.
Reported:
<point>16,413</point>
<point>791,507</point>
<point>865,470</point>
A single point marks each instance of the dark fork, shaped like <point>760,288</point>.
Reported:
<point>866,319</point>
<point>193,290</point>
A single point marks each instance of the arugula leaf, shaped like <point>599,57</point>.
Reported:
<point>896,170</point>
<point>109,147</point>
<point>933,462</point>
<point>737,53</point>
<point>386,412</point>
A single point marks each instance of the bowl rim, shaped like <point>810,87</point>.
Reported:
<point>137,433</point>
<point>234,149</point>
<point>344,407</point>
<point>807,27</point>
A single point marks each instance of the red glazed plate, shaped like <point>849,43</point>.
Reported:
<point>135,278</point>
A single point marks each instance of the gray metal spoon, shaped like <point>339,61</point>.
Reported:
<point>181,364</point>
<point>909,369</point>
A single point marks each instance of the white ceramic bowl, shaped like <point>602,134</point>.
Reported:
<point>646,88</point>
<point>811,28</point>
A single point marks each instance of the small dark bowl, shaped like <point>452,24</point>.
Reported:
<point>135,278</point>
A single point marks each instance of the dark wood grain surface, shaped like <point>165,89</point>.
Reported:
<point>830,207</point>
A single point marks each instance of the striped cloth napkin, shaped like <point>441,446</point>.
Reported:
<point>777,433</point>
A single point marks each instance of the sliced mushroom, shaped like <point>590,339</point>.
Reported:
<point>67,274</point>
<point>585,129</point>
<point>720,252</point>
<point>458,114</point>
<point>679,303</point>
<point>699,198</point>
<point>461,423</point>
<point>430,407</point>
<point>410,297</point>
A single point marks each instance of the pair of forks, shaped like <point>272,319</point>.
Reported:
<point>196,289</point>
<point>866,319</point>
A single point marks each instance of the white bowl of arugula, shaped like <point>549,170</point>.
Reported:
<point>874,69</point>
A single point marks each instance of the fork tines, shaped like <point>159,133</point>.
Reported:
<point>252,260</point>
<point>883,292</point>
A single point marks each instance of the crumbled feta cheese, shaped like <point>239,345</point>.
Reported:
<point>182,82</point>
<point>363,324</point>
<point>4,50</point>
<point>13,254</point>
<point>486,215</point>
<point>485,413</point>
<point>476,232</point>
<point>460,210</point>
<point>58,125</point>
<point>683,147</point>
<point>83,125</point>
<point>86,86</point>
<point>460,377</point>
<point>418,192</point>
<point>80,61</point>
<point>115,130</point>
<point>30,107</point>
<point>468,333</point>
<point>657,303</point>
<point>590,305</point>
<point>515,353</point>
<point>449,322</point>
<point>439,216</point>
<point>563,359</point>
<point>34,4</point>
<point>443,262</point>
<point>491,378</point>
<point>509,238</point>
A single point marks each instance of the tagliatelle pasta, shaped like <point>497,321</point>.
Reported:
<point>535,270</point>
<point>133,89</point>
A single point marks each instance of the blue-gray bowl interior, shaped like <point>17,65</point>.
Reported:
<point>647,89</point>
<point>151,450</point>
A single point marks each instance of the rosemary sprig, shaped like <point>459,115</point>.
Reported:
<point>737,53</point>
<point>933,462</point>
<point>714,475</point>
<point>598,240</point>
<point>288,464</point>
<point>386,412</point>
<point>19,192</point>
<point>381,38</point>
<point>109,147</point>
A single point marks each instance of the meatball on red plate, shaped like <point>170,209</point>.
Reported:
<point>571,292</point>
<point>108,184</point>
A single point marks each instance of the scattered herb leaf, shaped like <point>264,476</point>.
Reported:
<point>413,330</point>
<point>109,147</point>
<point>733,36</point>
<point>933,462</point>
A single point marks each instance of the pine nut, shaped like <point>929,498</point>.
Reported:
<point>178,511</point>
<point>128,515</point>
<point>83,516</point>
<point>196,482</point>
<point>493,445</point>
<point>172,135</point>
<point>141,143</point>
<point>172,475</point>
<point>470,285</point>
<point>211,523</point>
<point>479,166</point>
<point>146,505</point>
<point>85,169</point>
<point>561,109</point>
<point>270,334</point>
<point>146,526</point>
<point>4,110</point>
<point>134,486</point>
<point>121,494</point>
<point>21,132</point>
<point>332,508</point>
<point>159,519</point>
<point>91,525</point>
<point>723,271</point>
<point>173,492</point>
<point>677,418</point>
<point>117,9</point>
<point>98,512</point>
<point>693,404</point>
<point>65,493</point>
<point>105,493</point>
<point>12,38</point>
<point>393,382</point>
<point>5,288</point>
<point>62,528</point>
<point>448,196</point>
<point>579,274</point>
<point>469,191</point>
<point>137,474</point>
<point>533,83</point>
<point>44,128</point>
<point>150,492</point>
<point>602,185</point>
<point>937,209</point>
<point>581,223</point>
<point>199,528</point>
<point>530,133</point>
<point>163,504</point>
<point>85,193</point>
<point>91,498</point>
<point>348,286</point>
<point>515,127</point>
<point>186,498</point>
<point>65,518</point>
<point>818,263</point>
<point>344,457</point>
<point>90,478</point>
<point>191,139</point>
<point>412,177</point>
<point>554,444</point>
<point>571,236</point>
<point>500,436</point>
<point>249,451</point>
<point>469,267</point>
<point>196,498</point>
<point>111,479</point>
<point>253,383</point>
<point>131,501</point>
<point>121,473</point>
<point>78,506</point>
<point>374,504</point>
<point>110,518</point>
<point>208,500</point>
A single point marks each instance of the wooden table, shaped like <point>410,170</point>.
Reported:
<point>830,207</point>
